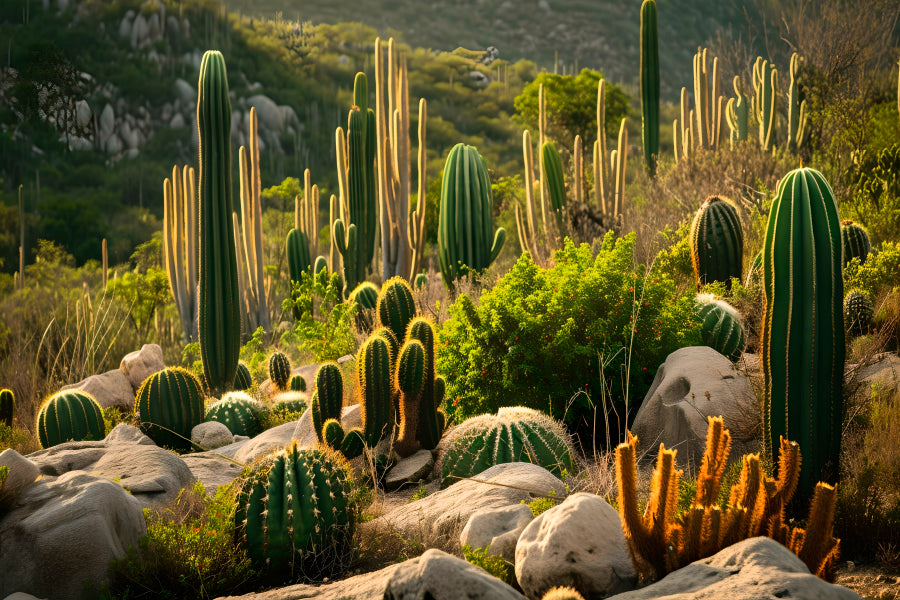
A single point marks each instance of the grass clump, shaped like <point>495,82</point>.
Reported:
<point>495,565</point>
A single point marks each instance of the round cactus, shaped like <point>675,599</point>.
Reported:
<point>69,415</point>
<point>717,242</point>
<point>421,281</point>
<point>366,298</point>
<point>328,398</point>
<point>854,242</point>
<point>297,384</point>
<point>562,593</point>
<point>514,434</point>
<point>238,412</point>
<point>242,379</point>
<point>170,404</point>
<point>858,313</point>
<point>7,407</point>
<point>396,306</point>
<point>279,370</point>
<point>295,515</point>
<point>721,327</point>
<point>296,402</point>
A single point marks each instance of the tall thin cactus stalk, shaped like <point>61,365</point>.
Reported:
<point>180,251</point>
<point>306,213</point>
<point>763,104</point>
<point>20,280</point>
<point>601,176</point>
<point>737,113</point>
<point>796,110</point>
<point>649,85</point>
<point>578,170</point>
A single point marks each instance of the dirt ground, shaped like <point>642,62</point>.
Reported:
<point>869,581</point>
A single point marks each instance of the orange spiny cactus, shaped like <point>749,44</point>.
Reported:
<point>715,458</point>
<point>816,544</point>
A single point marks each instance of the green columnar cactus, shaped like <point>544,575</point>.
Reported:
<point>366,298</point>
<point>7,407</point>
<point>514,434</point>
<point>297,384</point>
<point>803,324</point>
<point>373,390</point>
<point>721,327</point>
<point>388,336</point>
<point>421,421</point>
<point>328,399</point>
<point>320,264</point>
<point>796,110</point>
<point>738,113</point>
<point>555,181</point>
<point>717,242</point>
<point>220,317</point>
<point>396,306</point>
<point>765,87</point>
<point>242,378</point>
<point>649,85</point>
<point>299,261</point>
<point>466,219</point>
<point>279,370</point>
<point>854,241</point>
<point>169,404</point>
<point>69,415</point>
<point>295,516</point>
<point>179,245</point>
<point>858,313</point>
<point>238,412</point>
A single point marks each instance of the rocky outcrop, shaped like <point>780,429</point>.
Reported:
<point>497,529</point>
<point>141,364</point>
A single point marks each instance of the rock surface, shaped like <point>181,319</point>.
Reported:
<point>497,529</point>
<point>305,434</point>
<point>578,543</point>
<point>22,474</point>
<point>211,435</point>
<point>211,470</point>
<point>881,376</point>
<point>110,389</point>
<point>269,441</point>
<point>141,364</point>
<point>754,569</point>
<point>409,470</point>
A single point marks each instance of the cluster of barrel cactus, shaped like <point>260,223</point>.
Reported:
<point>858,313</point>
<point>169,404</point>
<point>854,242</point>
<point>69,415</point>
<point>279,370</point>
<point>238,412</point>
<point>421,391</point>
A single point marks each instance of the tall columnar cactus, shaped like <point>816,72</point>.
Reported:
<point>328,399</point>
<point>242,378</point>
<point>180,233</point>
<point>858,313</point>
<point>306,212</point>
<point>220,315</point>
<point>803,324</point>
<point>720,327</point>
<point>421,391</point>
<point>7,407</point>
<point>854,242</point>
<point>466,218</point>
<point>701,127</point>
<point>238,412</point>
<point>299,260</point>
<point>796,110</point>
<point>295,516</point>
<point>737,113</point>
<point>373,390</point>
<point>169,404</point>
<point>279,370</point>
<point>514,434</point>
<point>396,306</point>
<point>69,415</point>
<point>717,242</point>
<point>555,181</point>
<point>649,85</point>
<point>765,88</point>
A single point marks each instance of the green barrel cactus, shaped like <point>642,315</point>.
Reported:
<point>295,402</point>
<point>420,419</point>
<point>328,398</point>
<point>299,260</point>
<point>220,316</point>
<point>717,242</point>
<point>649,85</point>
<point>803,325</point>
<point>279,370</point>
<point>720,327</point>
<point>514,434</point>
<point>858,313</point>
<point>242,378</point>
<point>238,412</point>
<point>396,306</point>
<point>297,384</point>
<point>366,298</point>
<point>465,220</point>
<point>169,404</point>
<point>295,515</point>
<point>854,241</point>
<point>7,407</point>
<point>69,415</point>
<point>553,176</point>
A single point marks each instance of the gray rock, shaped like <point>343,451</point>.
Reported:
<point>127,434</point>
<point>749,570</point>
<point>139,31</point>
<point>110,389</point>
<point>269,441</point>
<point>21,596</point>
<point>578,543</point>
<point>441,576</point>
<point>879,377</point>
<point>114,145</point>
<point>211,435</point>
<point>410,470</point>
<point>185,92</point>
<point>497,529</point>
<point>694,383</point>
<point>22,473</point>
<point>65,531</point>
<point>141,364</point>
<point>212,469</point>
<point>177,121</point>
<point>269,117</point>
<point>107,123</point>
<point>83,114</point>
<point>308,372</point>
<point>126,24</point>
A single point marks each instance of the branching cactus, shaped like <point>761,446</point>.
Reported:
<point>7,407</point>
<point>854,242</point>
<point>373,389</point>
<point>717,242</point>
<point>514,434</point>
<point>858,313</point>
<point>765,87</point>
<point>396,306</point>
<point>721,327</point>
<point>796,110</point>
<point>279,370</point>
<point>737,113</point>
<point>69,415</point>
<point>295,515</point>
<point>242,378</point>
<point>421,391</point>
<point>238,412</point>
<point>649,85</point>
<point>169,404</point>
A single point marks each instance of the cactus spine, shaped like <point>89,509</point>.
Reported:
<point>858,313</point>
<point>180,232</point>
<point>7,407</point>
<point>562,593</point>
<point>421,391</point>
<point>717,242</point>
<point>803,329</point>
<point>169,404</point>
<point>279,370</point>
<point>737,113</point>
<point>796,110</point>
<point>242,378</point>
<point>765,87</point>
<point>366,298</point>
<point>373,389</point>
<point>220,318</point>
<point>649,85</point>
<point>238,412</point>
<point>396,306</point>
<point>720,327</point>
<point>69,415</point>
<point>854,242</point>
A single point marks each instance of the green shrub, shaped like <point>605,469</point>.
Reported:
<point>880,273</point>
<point>495,565</point>
<point>325,326</point>
<point>562,339</point>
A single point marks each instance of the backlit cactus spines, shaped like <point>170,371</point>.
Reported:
<point>279,370</point>
<point>69,415</point>
<point>179,245</point>
<point>294,514</point>
<point>717,242</point>
<point>803,324</point>
<point>514,434</point>
<point>720,327</point>
<point>292,401</point>
<point>220,311</point>
<point>366,298</point>
<point>320,264</point>
<point>562,593</point>
<point>388,336</point>
<point>858,313</point>
<point>374,391</point>
<point>426,421</point>
<point>332,434</point>
<point>299,261</point>
<point>238,412</point>
<point>396,306</point>
<point>796,109</point>
<point>466,223</point>
<point>169,404</point>
<point>242,378</point>
<point>649,85</point>
<point>328,399</point>
<point>7,407</point>
<point>737,113</point>
<point>297,384</point>
<point>854,242</point>
<point>421,281</point>
<point>765,87</point>
<point>353,443</point>
<point>553,176</point>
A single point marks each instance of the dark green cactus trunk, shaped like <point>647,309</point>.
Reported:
<point>430,426</point>
<point>7,407</point>
<point>373,388</point>
<point>717,242</point>
<point>242,378</point>
<point>220,318</point>
<point>70,415</point>
<point>803,327</point>
<point>297,384</point>
<point>553,175</point>
<point>328,398</point>
<point>170,404</point>
<point>299,260</point>
<point>649,85</point>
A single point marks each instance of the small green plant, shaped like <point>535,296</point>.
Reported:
<point>418,494</point>
<point>495,565</point>
<point>541,505</point>
<point>331,335</point>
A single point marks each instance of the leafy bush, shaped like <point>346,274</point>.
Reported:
<point>495,565</point>
<point>585,333</point>
<point>329,336</point>
<point>880,273</point>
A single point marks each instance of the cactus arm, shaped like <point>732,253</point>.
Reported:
<point>601,189</point>
<point>621,157</point>
<point>416,233</point>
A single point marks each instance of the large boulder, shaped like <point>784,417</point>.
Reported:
<point>212,470</point>
<point>749,570</point>
<point>305,433</point>
<point>111,389</point>
<point>410,470</point>
<point>22,473</point>
<point>141,364</point>
<point>211,435</point>
<point>63,532</point>
<point>185,92</point>
<point>269,441</point>
<point>578,543</point>
<point>694,383</point>
<point>881,376</point>
<point>497,529</point>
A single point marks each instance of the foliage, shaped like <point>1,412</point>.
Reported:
<point>562,339</point>
<point>879,274</point>
<point>329,337</point>
<point>420,493</point>
<point>20,440</point>
<point>144,290</point>
<point>495,565</point>
<point>542,504</point>
<point>874,198</point>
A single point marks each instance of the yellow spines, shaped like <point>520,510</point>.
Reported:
<point>626,480</point>
<point>817,544</point>
<point>715,458</point>
<point>562,593</point>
